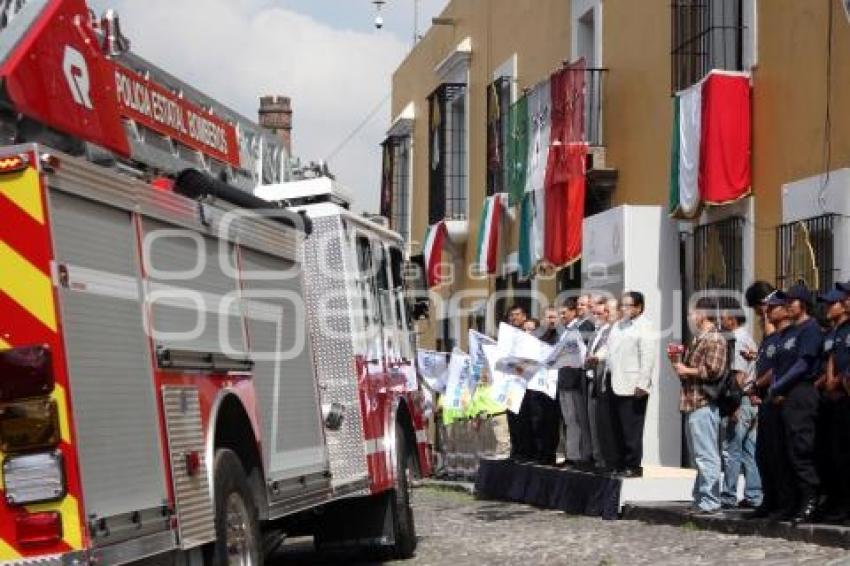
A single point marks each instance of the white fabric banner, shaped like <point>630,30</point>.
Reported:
<point>690,134</point>
<point>539,128</point>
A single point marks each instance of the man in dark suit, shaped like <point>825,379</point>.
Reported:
<point>544,420</point>
<point>572,390</point>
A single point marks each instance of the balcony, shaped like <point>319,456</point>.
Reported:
<point>601,179</point>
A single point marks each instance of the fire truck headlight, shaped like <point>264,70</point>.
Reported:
<point>29,425</point>
<point>32,478</point>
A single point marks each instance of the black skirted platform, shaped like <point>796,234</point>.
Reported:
<point>577,493</point>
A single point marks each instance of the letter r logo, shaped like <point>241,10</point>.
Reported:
<point>77,76</point>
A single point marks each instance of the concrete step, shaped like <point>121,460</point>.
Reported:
<point>737,522</point>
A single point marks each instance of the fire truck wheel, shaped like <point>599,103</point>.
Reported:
<point>404,526</point>
<point>237,528</point>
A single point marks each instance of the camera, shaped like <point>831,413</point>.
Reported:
<point>379,22</point>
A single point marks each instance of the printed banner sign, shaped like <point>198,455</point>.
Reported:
<point>458,394</point>
<point>157,108</point>
<point>433,367</point>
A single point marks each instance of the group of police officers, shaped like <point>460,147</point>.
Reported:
<point>803,391</point>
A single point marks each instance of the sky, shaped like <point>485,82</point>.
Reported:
<point>325,54</point>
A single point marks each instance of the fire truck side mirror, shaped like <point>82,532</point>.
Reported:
<point>421,310</point>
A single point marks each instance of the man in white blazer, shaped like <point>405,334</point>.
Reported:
<point>632,353</point>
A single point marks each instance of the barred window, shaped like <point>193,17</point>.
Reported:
<point>400,219</point>
<point>718,255</point>
<point>395,184</point>
<point>706,35</point>
<point>805,252</point>
<point>498,105</point>
<point>447,153</point>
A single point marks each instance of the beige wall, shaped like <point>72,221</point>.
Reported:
<point>789,90</point>
<point>789,96</point>
<point>538,31</point>
<point>638,109</point>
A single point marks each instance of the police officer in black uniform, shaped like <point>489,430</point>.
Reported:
<point>834,424</point>
<point>797,366</point>
<point>769,442</point>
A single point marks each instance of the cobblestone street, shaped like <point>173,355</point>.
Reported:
<point>456,529</point>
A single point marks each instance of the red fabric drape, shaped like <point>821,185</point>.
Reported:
<point>565,194</point>
<point>565,171</point>
<point>725,147</point>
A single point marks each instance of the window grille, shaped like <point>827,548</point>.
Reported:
<point>718,255</point>
<point>706,35</point>
<point>805,251</point>
<point>447,153</point>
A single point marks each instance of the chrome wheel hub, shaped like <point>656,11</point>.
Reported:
<point>241,543</point>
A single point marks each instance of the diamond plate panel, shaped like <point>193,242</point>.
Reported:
<point>329,308</point>
<point>195,510</point>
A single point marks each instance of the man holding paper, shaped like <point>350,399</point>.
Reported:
<point>572,390</point>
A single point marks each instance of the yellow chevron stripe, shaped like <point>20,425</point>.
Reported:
<point>70,511</point>
<point>27,285</point>
<point>7,552</point>
<point>24,190</point>
<point>58,395</point>
<point>4,345</point>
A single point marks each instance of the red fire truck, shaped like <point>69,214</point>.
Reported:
<point>188,372</point>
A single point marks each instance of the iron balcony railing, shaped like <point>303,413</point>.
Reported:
<point>594,96</point>
<point>706,35</point>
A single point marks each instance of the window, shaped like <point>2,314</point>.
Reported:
<point>400,219</point>
<point>718,255</point>
<point>707,34</point>
<point>805,251</point>
<point>498,105</point>
<point>369,302</point>
<point>447,153</point>
<point>395,184</point>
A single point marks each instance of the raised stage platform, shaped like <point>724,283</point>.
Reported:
<point>577,492</point>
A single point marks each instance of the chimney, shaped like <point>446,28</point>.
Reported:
<point>276,116</point>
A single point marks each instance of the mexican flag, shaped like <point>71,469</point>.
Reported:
<point>432,250</point>
<point>489,227</point>
<point>710,143</point>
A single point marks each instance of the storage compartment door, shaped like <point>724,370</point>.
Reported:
<point>108,357</point>
<point>273,305</point>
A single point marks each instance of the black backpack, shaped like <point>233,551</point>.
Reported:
<point>725,392</point>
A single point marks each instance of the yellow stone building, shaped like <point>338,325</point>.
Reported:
<point>480,55</point>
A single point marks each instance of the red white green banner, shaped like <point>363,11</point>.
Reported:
<point>489,228</point>
<point>432,250</point>
<point>711,143</point>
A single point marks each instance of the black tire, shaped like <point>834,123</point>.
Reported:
<point>404,527</point>
<point>233,497</point>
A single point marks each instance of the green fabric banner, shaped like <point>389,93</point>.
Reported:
<point>516,154</point>
<point>675,156</point>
